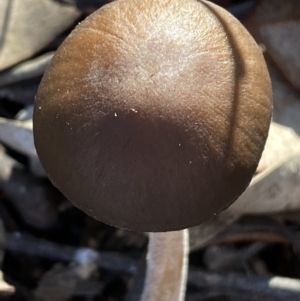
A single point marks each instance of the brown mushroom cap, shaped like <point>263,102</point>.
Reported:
<point>153,114</point>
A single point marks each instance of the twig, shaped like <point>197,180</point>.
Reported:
<point>254,228</point>
<point>31,246</point>
<point>275,288</point>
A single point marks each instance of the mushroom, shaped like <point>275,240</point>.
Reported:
<point>152,116</point>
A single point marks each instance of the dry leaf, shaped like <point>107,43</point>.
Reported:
<point>27,26</point>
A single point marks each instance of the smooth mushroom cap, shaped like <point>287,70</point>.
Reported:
<point>153,114</point>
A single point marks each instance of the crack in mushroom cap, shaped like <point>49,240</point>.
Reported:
<point>153,114</point>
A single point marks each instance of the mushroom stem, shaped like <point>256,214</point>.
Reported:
<point>167,264</point>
